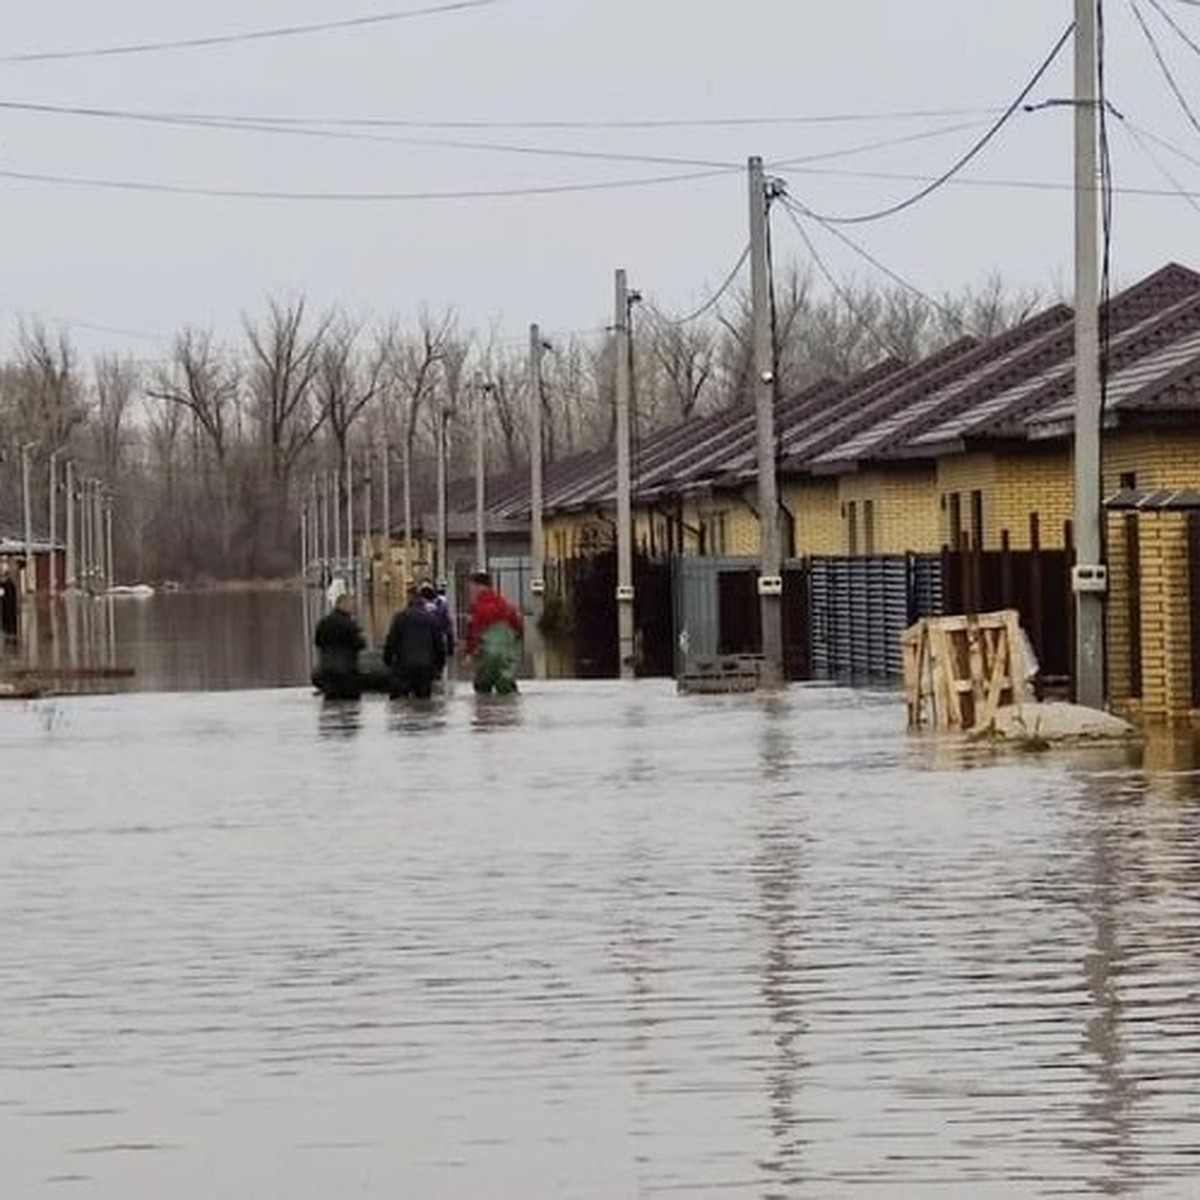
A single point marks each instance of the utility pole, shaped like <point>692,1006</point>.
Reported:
<point>110,575</point>
<point>53,506</point>
<point>325,571</point>
<point>537,529</point>
<point>303,543</point>
<point>443,417</point>
<point>29,576</point>
<point>368,555</point>
<point>485,395</point>
<point>770,580</point>
<point>387,509</point>
<point>351,554</point>
<point>406,468</point>
<point>336,521</point>
<point>72,549</point>
<point>625,587</point>
<point>98,524</point>
<point>1089,577</point>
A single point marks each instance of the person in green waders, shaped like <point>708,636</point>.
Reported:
<point>493,638</point>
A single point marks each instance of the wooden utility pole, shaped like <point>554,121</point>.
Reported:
<point>485,395</point>
<point>625,586</point>
<point>537,529</point>
<point>1089,576</point>
<point>770,580</point>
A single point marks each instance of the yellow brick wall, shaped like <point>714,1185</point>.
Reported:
<point>1119,659</point>
<point>1159,460</point>
<point>905,506</point>
<point>817,511</point>
<point>1166,617</point>
<point>1040,482</point>
<point>963,474</point>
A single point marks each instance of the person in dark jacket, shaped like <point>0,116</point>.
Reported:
<point>435,602</point>
<point>414,650</point>
<point>339,641</point>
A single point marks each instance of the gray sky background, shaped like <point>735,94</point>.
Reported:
<point>149,264</point>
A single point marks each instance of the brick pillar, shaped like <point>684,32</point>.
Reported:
<point>1120,652</point>
<point>1166,617</point>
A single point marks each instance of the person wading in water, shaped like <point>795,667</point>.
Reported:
<point>339,640</point>
<point>415,650</point>
<point>493,638</point>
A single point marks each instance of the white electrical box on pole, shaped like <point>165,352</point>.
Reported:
<point>770,582</point>
<point>1089,598</point>
<point>625,593</point>
<point>537,529</point>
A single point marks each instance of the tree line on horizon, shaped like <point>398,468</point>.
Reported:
<point>206,454</point>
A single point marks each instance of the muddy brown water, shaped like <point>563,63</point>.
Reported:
<point>599,942</point>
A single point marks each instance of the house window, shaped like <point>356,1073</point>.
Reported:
<point>976,520</point>
<point>954,526</point>
<point>1129,481</point>
<point>852,528</point>
<point>868,526</point>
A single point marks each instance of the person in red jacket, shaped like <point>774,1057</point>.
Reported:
<point>493,638</point>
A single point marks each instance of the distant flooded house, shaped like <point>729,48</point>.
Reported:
<point>45,558</point>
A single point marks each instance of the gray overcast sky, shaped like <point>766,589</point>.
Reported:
<point>152,263</point>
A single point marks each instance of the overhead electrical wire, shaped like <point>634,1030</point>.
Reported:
<point>253,35</point>
<point>712,301</point>
<point>795,209</point>
<point>839,291</point>
<point>1165,67</point>
<point>244,125</point>
<point>967,158</point>
<point>284,122</point>
<point>1182,33</point>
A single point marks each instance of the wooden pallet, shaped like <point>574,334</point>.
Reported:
<point>959,670</point>
<point>721,674</point>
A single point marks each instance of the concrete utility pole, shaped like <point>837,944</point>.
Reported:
<point>351,554</point>
<point>53,505</point>
<point>625,587</point>
<point>485,396</point>
<point>443,417</point>
<point>387,509</point>
<point>406,468</point>
<point>537,528</point>
<point>770,581</point>
<point>303,542</point>
<point>367,557</point>
<point>110,574</point>
<point>29,576</point>
<point>98,525</point>
<point>325,571</point>
<point>1089,576</point>
<point>72,549</point>
<point>336,520</point>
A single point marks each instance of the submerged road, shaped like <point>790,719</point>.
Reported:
<point>603,942</point>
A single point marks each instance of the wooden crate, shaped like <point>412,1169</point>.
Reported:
<point>959,670</point>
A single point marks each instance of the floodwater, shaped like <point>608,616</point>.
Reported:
<point>601,941</point>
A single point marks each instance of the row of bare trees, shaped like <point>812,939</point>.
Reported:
<point>207,451</point>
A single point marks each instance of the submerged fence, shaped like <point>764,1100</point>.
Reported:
<point>843,616</point>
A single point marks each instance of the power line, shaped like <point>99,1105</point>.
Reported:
<point>838,290</point>
<point>713,300</point>
<point>1139,138</point>
<point>1183,34</point>
<point>1164,66</point>
<point>255,35</point>
<point>794,208</point>
<point>969,156</point>
<point>171,189</point>
<point>232,124</point>
<point>285,122</point>
<point>1027,185</point>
